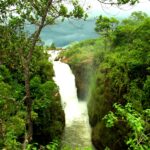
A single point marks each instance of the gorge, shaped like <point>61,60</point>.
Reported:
<point>94,94</point>
<point>77,132</point>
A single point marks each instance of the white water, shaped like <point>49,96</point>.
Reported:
<point>77,131</point>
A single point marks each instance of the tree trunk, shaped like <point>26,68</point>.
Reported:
<point>28,102</point>
<point>26,63</point>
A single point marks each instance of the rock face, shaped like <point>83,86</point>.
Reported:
<point>81,80</point>
<point>82,72</point>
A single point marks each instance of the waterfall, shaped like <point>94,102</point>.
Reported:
<point>77,132</point>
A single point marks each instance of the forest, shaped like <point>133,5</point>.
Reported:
<point>116,66</point>
<point>122,86</point>
<point>112,72</point>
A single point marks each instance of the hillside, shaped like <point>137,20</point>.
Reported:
<point>120,84</point>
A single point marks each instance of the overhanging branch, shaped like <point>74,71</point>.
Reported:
<point>37,33</point>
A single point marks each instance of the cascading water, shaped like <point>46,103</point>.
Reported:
<point>77,132</point>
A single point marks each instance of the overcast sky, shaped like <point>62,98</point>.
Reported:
<point>66,32</point>
<point>96,8</point>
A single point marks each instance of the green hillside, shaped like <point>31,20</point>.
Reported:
<point>119,103</point>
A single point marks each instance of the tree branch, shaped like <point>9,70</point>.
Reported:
<point>37,33</point>
<point>52,20</point>
<point>109,3</point>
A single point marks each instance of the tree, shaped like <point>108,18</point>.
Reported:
<point>53,47</point>
<point>136,17</point>
<point>121,94</point>
<point>40,13</point>
<point>104,26</point>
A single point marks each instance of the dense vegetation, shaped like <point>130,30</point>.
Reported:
<point>31,114</point>
<point>14,16</point>
<point>119,103</point>
<point>31,111</point>
<point>47,113</point>
<point>122,88</point>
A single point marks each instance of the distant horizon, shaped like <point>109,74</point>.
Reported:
<point>70,31</point>
<point>67,32</point>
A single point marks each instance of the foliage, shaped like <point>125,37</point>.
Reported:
<point>28,95</point>
<point>53,47</point>
<point>44,92</point>
<point>12,122</point>
<point>30,77</point>
<point>105,26</point>
<point>82,51</point>
<point>32,11</point>
<point>120,95</point>
<point>138,138</point>
<point>52,146</point>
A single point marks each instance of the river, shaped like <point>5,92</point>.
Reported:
<point>77,134</point>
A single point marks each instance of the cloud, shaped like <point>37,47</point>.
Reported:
<point>122,11</point>
<point>63,33</point>
<point>66,32</point>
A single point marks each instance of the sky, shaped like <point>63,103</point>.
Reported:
<point>69,31</point>
<point>64,33</point>
<point>123,11</point>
